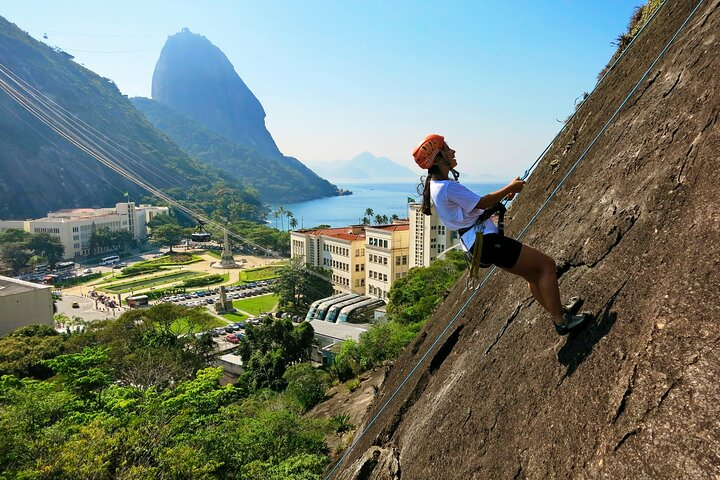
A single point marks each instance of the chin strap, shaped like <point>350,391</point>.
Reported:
<point>455,174</point>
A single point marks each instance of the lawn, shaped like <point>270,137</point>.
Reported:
<point>256,274</point>
<point>257,305</point>
<point>234,317</point>
<point>150,282</point>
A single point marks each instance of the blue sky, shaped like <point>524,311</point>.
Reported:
<point>337,78</point>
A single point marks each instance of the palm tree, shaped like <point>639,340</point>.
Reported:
<point>293,222</point>
<point>378,219</point>
<point>281,213</point>
<point>289,215</point>
<point>369,212</point>
<point>394,217</point>
<point>276,214</point>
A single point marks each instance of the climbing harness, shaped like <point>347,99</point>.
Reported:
<point>532,220</point>
<point>475,252</point>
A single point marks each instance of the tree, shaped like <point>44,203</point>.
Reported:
<point>162,219</point>
<point>306,384</point>
<point>16,255</point>
<point>101,239</point>
<point>293,223</point>
<point>300,284</point>
<point>49,247</point>
<point>413,298</point>
<point>267,350</point>
<point>122,239</point>
<point>167,235</point>
<point>369,212</point>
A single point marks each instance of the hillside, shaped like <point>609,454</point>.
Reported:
<point>635,232</point>
<point>276,179</point>
<point>41,172</point>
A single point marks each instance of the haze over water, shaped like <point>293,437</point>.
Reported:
<point>383,198</point>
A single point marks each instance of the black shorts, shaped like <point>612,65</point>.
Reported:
<point>498,250</point>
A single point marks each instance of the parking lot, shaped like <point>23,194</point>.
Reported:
<point>211,296</point>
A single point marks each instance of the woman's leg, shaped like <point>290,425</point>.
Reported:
<point>539,271</point>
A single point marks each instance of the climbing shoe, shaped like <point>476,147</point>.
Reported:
<point>572,322</point>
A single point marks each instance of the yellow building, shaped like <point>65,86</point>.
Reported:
<point>387,254</point>
<point>341,250</point>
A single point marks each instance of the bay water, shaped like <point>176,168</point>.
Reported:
<point>382,198</point>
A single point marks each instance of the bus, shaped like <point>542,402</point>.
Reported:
<point>314,306</point>
<point>137,301</point>
<point>110,260</point>
<point>323,307</point>
<point>64,266</point>
<point>334,310</point>
<point>360,312</point>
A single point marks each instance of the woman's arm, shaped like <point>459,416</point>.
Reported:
<point>508,191</point>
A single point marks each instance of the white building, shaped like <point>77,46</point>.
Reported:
<point>75,226</point>
<point>428,236</point>
<point>22,304</point>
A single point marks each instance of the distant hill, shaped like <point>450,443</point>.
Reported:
<point>365,167</point>
<point>41,172</point>
<point>276,179</point>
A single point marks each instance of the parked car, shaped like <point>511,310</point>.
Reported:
<point>232,338</point>
<point>87,271</point>
<point>75,305</point>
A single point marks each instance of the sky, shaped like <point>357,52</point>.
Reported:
<point>337,78</point>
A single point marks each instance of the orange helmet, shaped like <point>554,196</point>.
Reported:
<point>425,152</point>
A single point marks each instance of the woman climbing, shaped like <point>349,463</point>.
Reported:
<point>461,210</point>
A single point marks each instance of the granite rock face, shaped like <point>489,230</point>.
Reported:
<point>194,77</point>
<point>634,231</point>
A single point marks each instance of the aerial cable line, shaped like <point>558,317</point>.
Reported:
<point>532,220</point>
<point>607,72</point>
<point>76,139</point>
<point>77,123</point>
<point>51,142</point>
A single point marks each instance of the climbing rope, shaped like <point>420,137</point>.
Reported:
<point>532,220</point>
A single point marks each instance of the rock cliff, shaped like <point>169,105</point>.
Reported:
<point>635,232</point>
<point>195,78</point>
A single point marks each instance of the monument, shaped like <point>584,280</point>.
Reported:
<point>226,258</point>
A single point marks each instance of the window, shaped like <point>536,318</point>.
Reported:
<point>385,261</point>
<point>404,259</point>
<point>397,260</point>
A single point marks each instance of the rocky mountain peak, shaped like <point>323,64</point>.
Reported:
<point>195,77</point>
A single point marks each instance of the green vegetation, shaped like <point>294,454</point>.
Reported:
<point>78,280</point>
<point>206,280</point>
<point>299,284</point>
<point>280,179</point>
<point>234,317</point>
<point>412,300</point>
<point>257,305</point>
<point>150,282</point>
<point>257,274</point>
<point>128,398</point>
<point>103,239</point>
<point>20,249</point>
<point>181,325</point>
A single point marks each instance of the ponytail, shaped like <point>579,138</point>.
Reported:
<point>433,172</point>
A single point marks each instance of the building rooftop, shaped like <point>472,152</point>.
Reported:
<point>343,233</point>
<point>391,228</point>
<point>13,286</point>
<point>339,331</point>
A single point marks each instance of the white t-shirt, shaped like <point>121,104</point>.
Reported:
<point>455,206</point>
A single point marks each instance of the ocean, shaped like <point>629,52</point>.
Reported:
<point>383,198</point>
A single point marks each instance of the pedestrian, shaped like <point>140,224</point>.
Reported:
<point>460,209</point>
